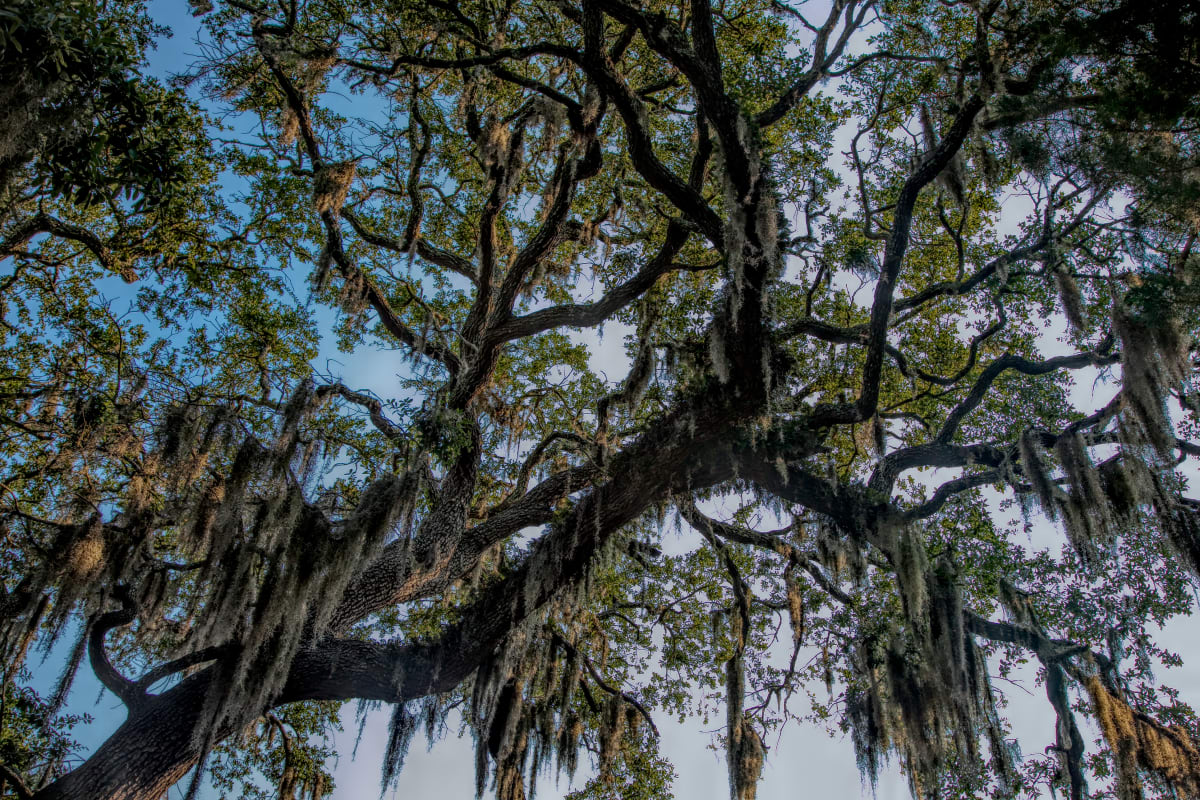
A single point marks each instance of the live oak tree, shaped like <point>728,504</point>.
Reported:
<point>868,258</point>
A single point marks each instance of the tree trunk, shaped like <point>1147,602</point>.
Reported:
<point>155,747</point>
<point>147,755</point>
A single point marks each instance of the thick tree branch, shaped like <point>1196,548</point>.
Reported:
<point>377,299</point>
<point>1049,651</point>
<point>598,65</point>
<point>373,406</point>
<point>1017,364</point>
<point>590,314</point>
<point>42,222</point>
<point>334,242</point>
<point>130,693</point>
<point>180,664</point>
<point>548,234</point>
<point>897,245</point>
<point>949,489</point>
<point>431,253</point>
<point>772,541</point>
<point>823,57</point>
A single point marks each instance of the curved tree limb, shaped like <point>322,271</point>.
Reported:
<point>179,665</point>
<point>129,692</point>
<point>1017,364</point>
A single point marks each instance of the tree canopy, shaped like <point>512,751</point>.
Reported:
<point>898,281</point>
